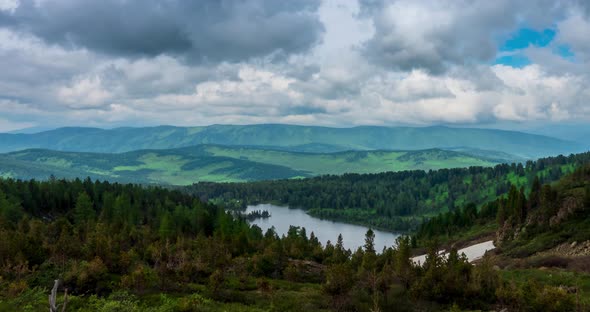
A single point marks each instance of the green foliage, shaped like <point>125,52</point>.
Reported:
<point>223,164</point>
<point>10,209</point>
<point>531,296</point>
<point>84,210</point>
<point>400,200</point>
<point>154,249</point>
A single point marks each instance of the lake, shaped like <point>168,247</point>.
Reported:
<point>353,235</point>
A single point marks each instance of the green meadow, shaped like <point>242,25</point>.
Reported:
<point>216,163</point>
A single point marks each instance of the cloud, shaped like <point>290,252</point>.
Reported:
<point>7,125</point>
<point>535,94</point>
<point>339,64</point>
<point>32,70</point>
<point>255,92</point>
<point>84,93</point>
<point>9,5</point>
<point>435,35</point>
<point>196,31</point>
<point>574,32</point>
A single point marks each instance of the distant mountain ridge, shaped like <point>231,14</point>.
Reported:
<point>292,138</point>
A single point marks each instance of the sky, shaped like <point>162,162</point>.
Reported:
<point>109,63</point>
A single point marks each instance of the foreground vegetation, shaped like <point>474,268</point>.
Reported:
<point>128,248</point>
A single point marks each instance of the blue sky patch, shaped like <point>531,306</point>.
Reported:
<point>510,51</point>
<point>525,37</point>
<point>564,51</point>
<point>514,60</point>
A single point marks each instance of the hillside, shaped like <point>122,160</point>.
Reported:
<point>394,200</point>
<point>116,247</point>
<point>290,137</point>
<point>542,235</point>
<point>217,163</point>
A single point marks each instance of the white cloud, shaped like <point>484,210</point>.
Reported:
<point>574,31</point>
<point>84,93</point>
<point>337,83</point>
<point>9,5</point>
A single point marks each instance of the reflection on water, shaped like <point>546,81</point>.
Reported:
<point>353,235</point>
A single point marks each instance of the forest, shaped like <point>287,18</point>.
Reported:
<point>118,247</point>
<point>398,201</point>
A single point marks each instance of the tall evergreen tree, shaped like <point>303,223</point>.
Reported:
<point>84,209</point>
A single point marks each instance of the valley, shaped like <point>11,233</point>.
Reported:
<point>216,163</point>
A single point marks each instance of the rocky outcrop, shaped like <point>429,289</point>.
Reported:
<point>569,249</point>
<point>568,206</point>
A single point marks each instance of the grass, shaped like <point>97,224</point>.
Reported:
<point>282,295</point>
<point>214,163</point>
<point>358,162</point>
<point>552,277</point>
<point>474,232</point>
<point>154,161</point>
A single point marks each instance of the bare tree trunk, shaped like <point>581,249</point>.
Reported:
<point>53,306</point>
<point>52,297</point>
<point>63,309</point>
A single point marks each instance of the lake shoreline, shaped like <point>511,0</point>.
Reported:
<point>282,217</point>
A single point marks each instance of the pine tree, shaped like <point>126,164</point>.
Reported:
<point>9,209</point>
<point>121,209</point>
<point>166,229</point>
<point>84,209</point>
<point>521,206</point>
<point>501,215</point>
<point>403,264</point>
<point>370,241</point>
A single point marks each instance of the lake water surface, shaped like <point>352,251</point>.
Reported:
<point>325,230</point>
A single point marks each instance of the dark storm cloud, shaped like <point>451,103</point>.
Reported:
<point>198,31</point>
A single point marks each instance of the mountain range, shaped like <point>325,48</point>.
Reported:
<point>290,137</point>
<point>227,153</point>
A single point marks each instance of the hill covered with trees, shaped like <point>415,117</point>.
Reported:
<point>216,163</point>
<point>130,248</point>
<point>394,200</point>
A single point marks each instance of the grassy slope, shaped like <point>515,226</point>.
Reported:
<point>294,138</point>
<point>221,164</point>
<point>354,161</point>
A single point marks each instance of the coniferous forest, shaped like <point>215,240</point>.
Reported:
<point>121,247</point>
<point>397,201</point>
